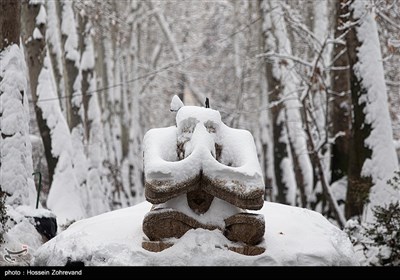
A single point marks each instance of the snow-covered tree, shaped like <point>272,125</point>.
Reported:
<point>283,166</point>
<point>15,147</point>
<point>292,165</point>
<point>372,158</point>
<point>53,39</point>
<point>33,33</point>
<point>97,185</point>
<point>64,197</point>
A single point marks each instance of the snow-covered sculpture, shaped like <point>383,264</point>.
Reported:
<point>202,174</point>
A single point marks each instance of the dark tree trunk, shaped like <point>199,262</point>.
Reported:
<point>181,87</point>
<point>10,25</point>
<point>70,73</point>
<point>87,74</point>
<point>266,145</point>
<point>340,109</point>
<point>280,149</point>
<point>298,175</point>
<point>57,71</point>
<point>358,185</point>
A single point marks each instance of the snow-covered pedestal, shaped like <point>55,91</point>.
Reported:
<point>293,236</point>
<point>202,174</point>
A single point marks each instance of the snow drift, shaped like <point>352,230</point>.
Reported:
<point>294,236</point>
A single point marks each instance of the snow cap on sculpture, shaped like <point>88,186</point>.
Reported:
<point>176,104</point>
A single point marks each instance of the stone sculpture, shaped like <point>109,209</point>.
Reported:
<point>202,174</point>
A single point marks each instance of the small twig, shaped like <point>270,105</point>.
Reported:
<point>313,72</point>
<point>39,188</point>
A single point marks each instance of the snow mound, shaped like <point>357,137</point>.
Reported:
<point>22,234</point>
<point>294,236</point>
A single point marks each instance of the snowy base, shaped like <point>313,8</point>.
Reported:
<point>158,246</point>
<point>294,236</point>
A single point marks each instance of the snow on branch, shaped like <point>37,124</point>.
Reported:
<point>295,23</point>
<point>387,19</point>
<point>286,56</point>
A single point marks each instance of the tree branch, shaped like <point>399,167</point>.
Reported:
<point>285,56</point>
<point>314,153</point>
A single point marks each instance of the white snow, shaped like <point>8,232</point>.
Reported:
<point>36,34</point>
<point>36,2</point>
<point>87,61</point>
<point>79,160</point>
<point>41,17</point>
<point>160,152</point>
<point>176,103</point>
<point>339,190</point>
<point>294,236</point>
<point>321,20</point>
<point>396,144</point>
<point>21,234</point>
<point>394,42</point>
<point>28,211</point>
<point>370,70</point>
<point>289,180</point>
<point>15,149</point>
<point>68,28</point>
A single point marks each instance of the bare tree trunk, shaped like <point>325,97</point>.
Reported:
<point>340,115</point>
<point>53,38</point>
<point>299,176</point>
<point>265,130</point>
<point>70,62</point>
<point>101,70</point>
<point>35,52</point>
<point>124,112</point>
<point>87,71</point>
<point>9,23</point>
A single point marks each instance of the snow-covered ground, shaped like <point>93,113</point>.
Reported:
<point>22,234</point>
<point>293,236</point>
